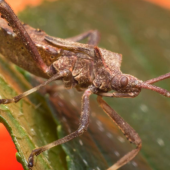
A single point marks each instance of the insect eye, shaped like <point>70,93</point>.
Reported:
<point>52,57</point>
<point>123,81</point>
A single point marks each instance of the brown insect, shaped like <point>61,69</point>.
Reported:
<point>83,66</point>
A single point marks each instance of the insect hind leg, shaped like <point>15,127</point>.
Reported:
<point>128,131</point>
<point>92,35</point>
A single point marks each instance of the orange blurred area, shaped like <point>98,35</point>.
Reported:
<point>8,151</point>
<point>19,5</point>
<point>162,3</point>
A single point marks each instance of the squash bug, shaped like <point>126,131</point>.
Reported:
<point>85,67</point>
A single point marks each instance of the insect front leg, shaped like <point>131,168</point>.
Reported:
<point>65,74</point>
<point>83,125</point>
<point>92,35</point>
<point>119,95</point>
<point>128,131</point>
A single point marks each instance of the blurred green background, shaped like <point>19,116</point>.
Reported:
<point>140,32</point>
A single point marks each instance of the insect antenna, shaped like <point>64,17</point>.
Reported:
<point>154,80</point>
<point>147,85</point>
<point>155,88</point>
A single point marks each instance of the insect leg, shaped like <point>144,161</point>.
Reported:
<point>84,122</point>
<point>68,80</point>
<point>128,131</point>
<point>18,28</point>
<point>134,94</point>
<point>92,35</point>
<point>119,95</point>
<point>61,74</point>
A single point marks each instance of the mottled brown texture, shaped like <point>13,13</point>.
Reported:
<point>100,67</point>
<point>12,48</point>
<point>22,34</point>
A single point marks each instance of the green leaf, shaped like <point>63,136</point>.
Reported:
<point>30,124</point>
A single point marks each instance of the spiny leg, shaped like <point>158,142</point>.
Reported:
<point>92,35</point>
<point>128,131</point>
<point>62,74</point>
<point>14,22</point>
<point>84,122</point>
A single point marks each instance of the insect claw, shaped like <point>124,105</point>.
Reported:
<point>30,162</point>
